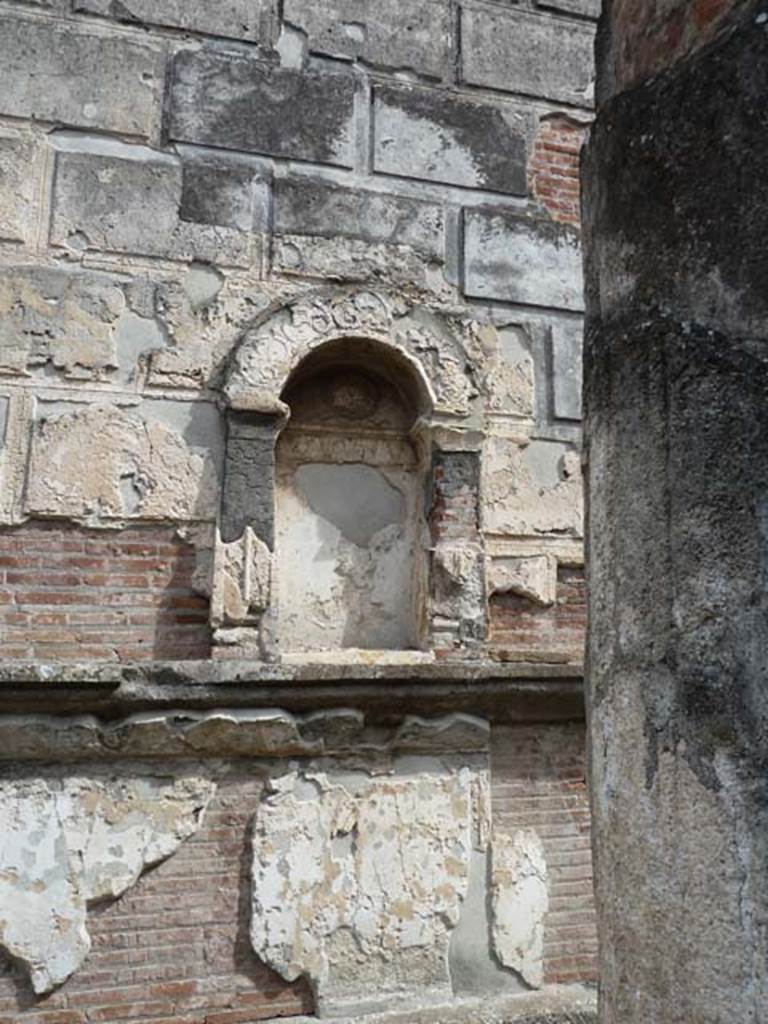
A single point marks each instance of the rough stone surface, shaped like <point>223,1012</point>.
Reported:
<point>358,881</point>
<point>306,207</point>
<point>236,102</point>
<point>121,91</point>
<point>428,135</point>
<point>385,33</point>
<point>242,580</point>
<point>99,460</point>
<point>66,842</point>
<point>519,52</point>
<point>235,19</point>
<point>133,200</point>
<point>567,370</point>
<point>17,187</point>
<point>676,381</point>
<point>515,259</point>
<point>520,903</point>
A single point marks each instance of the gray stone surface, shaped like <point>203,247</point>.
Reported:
<point>567,344</point>
<point>111,83</point>
<point>677,438</point>
<point>249,469</point>
<point>134,200</point>
<point>235,19</point>
<point>517,259</point>
<point>386,33</point>
<point>17,187</point>
<point>237,102</point>
<point>425,134</point>
<point>307,207</point>
<point>524,53</point>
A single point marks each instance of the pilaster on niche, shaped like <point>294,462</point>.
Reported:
<point>348,413</point>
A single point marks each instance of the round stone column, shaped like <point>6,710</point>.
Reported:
<point>676,377</point>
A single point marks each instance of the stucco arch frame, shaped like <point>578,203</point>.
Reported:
<point>270,351</point>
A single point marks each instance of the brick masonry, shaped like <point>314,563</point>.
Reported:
<point>539,782</point>
<point>73,594</point>
<point>520,627</point>
<point>175,950</point>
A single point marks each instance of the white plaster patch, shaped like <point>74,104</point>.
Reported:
<point>357,885</point>
<point>520,902</point>
<point>66,842</point>
<point>103,461</point>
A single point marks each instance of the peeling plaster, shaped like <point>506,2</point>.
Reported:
<point>67,842</point>
<point>358,885</point>
<point>103,461</point>
<point>520,901</point>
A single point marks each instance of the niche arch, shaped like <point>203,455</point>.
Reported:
<point>369,392</point>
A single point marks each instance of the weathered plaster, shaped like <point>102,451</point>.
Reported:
<point>534,577</point>
<point>358,881</point>
<point>66,842</point>
<point>104,461</point>
<point>520,898</point>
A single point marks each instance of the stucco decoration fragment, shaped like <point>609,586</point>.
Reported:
<point>109,462</point>
<point>520,900</point>
<point>274,347</point>
<point>534,577</point>
<point>506,368</point>
<point>67,842</point>
<point>358,881</point>
<point>242,580</point>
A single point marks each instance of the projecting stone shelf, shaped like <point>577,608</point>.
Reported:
<point>516,692</point>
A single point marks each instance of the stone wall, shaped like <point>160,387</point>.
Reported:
<point>286,288</point>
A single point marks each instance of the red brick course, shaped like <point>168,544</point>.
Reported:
<point>175,948</point>
<point>520,627</point>
<point>553,171</point>
<point>539,782</point>
<point>68,593</point>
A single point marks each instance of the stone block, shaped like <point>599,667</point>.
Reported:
<point>567,345</point>
<point>233,19</point>
<point>240,103</point>
<point>111,83</point>
<point>526,53</point>
<point>309,207</point>
<point>516,259</point>
<point>423,134</point>
<point>584,8</point>
<point>17,187</point>
<point>385,33</point>
<point>64,319</point>
<point>133,200</point>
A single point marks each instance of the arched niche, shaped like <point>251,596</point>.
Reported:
<point>332,381</point>
<point>351,535</point>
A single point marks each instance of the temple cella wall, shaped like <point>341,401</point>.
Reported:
<point>291,528</point>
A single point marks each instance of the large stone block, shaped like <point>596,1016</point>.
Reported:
<point>516,259</point>
<point>567,344</point>
<point>237,102</point>
<point>309,207</point>
<point>52,73</point>
<point>424,134</point>
<point>525,53</point>
<point>387,33</point>
<point>134,200</point>
<point>235,19</point>
<point>17,187</point>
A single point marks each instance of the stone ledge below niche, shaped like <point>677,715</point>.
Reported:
<point>566,1004</point>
